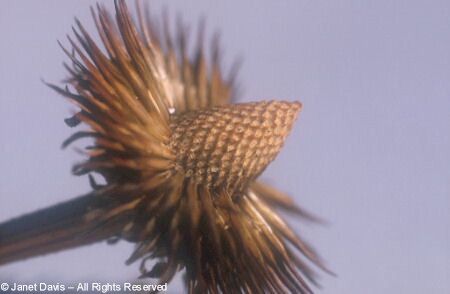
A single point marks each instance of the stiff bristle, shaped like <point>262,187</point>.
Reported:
<point>181,162</point>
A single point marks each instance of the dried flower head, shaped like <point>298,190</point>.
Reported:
<point>180,162</point>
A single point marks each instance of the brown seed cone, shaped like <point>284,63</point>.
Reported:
<point>182,161</point>
<point>231,145</point>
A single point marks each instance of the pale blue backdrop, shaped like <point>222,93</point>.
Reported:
<point>370,151</point>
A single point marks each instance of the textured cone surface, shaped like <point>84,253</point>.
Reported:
<point>230,145</point>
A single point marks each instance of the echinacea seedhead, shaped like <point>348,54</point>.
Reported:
<point>181,161</point>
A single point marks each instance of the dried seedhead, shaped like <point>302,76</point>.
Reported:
<point>181,162</point>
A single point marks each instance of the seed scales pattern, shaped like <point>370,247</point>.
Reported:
<point>231,145</point>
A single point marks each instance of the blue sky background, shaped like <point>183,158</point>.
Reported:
<point>370,151</point>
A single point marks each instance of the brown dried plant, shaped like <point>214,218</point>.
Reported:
<point>180,162</point>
